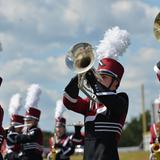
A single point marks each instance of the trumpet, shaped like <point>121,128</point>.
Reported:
<point>81,58</point>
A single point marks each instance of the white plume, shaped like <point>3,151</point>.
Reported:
<point>33,96</point>
<point>15,104</point>
<point>59,109</point>
<point>114,43</point>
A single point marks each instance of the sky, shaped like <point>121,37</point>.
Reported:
<point>36,35</point>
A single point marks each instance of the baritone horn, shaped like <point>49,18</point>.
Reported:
<point>156,28</point>
<point>80,58</point>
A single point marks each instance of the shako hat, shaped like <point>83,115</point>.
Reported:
<point>17,119</point>
<point>32,113</point>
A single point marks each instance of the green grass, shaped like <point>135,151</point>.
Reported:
<point>140,155</point>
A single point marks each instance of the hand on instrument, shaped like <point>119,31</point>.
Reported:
<point>91,77</point>
<point>94,83</point>
<point>11,128</point>
<point>72,88</point>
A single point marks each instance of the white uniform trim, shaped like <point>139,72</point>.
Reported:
<point>107,130</point>
<point>111,123</point>
<point>65,152</point>
<point>108,127</point>
<point>105,93</point>
<point>69,97</point>
<point>28,146</point>
<point>98,111</point>
<point>156,69</point>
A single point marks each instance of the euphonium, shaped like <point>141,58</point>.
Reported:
<point>156,27</point>
<point>80,58</point>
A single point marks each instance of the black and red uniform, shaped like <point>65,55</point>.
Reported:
<point>103,120</point>
<point>77,137</point>
<point>31,142</point>
<point>2,133</point>
<point>12,149</point>
<point>63,146</point>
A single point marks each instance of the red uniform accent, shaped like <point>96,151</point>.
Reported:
<point>154,132</point>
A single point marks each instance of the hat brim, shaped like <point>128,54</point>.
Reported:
<point>109,73</point>
<point>30,118</point>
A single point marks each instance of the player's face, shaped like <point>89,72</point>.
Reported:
<point>107,80</point>
<point>60,131</point>
<point>30,123</point>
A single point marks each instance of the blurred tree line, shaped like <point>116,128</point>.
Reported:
<point>133,131</point>
<point>131,135</point>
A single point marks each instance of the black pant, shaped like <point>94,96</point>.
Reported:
<point>31,157</point>
<point>11,156</point>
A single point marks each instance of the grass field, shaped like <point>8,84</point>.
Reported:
<point>140,155</point>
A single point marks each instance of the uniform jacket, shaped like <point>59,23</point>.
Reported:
<point>31,142</point>
<point>1,129</point>
<point>63,146</point>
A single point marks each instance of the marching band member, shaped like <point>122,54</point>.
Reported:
<point>1,127</point>
<point>32,138</point>
<point>61,145</point>
<point>103,119</point>
<point>13,149</point>
<point>157,70</point>
<point>1,132</point>
<point>155,133</point>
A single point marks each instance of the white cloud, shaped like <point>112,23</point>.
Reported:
<point>35,36</point>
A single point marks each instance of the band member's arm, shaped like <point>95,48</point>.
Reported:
<point>1,136</point>
<point>67,149</point>
<point>71,99</point>
<point>23,138</point>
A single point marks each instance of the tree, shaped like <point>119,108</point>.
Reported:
<point>132,133</point>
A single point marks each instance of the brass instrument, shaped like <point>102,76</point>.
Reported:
<point>156,28</point>
<point>52,154</point>
<point>156,146</point>
<point>80,58</point>
<point>156,151</point>
<point>18,126</point>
